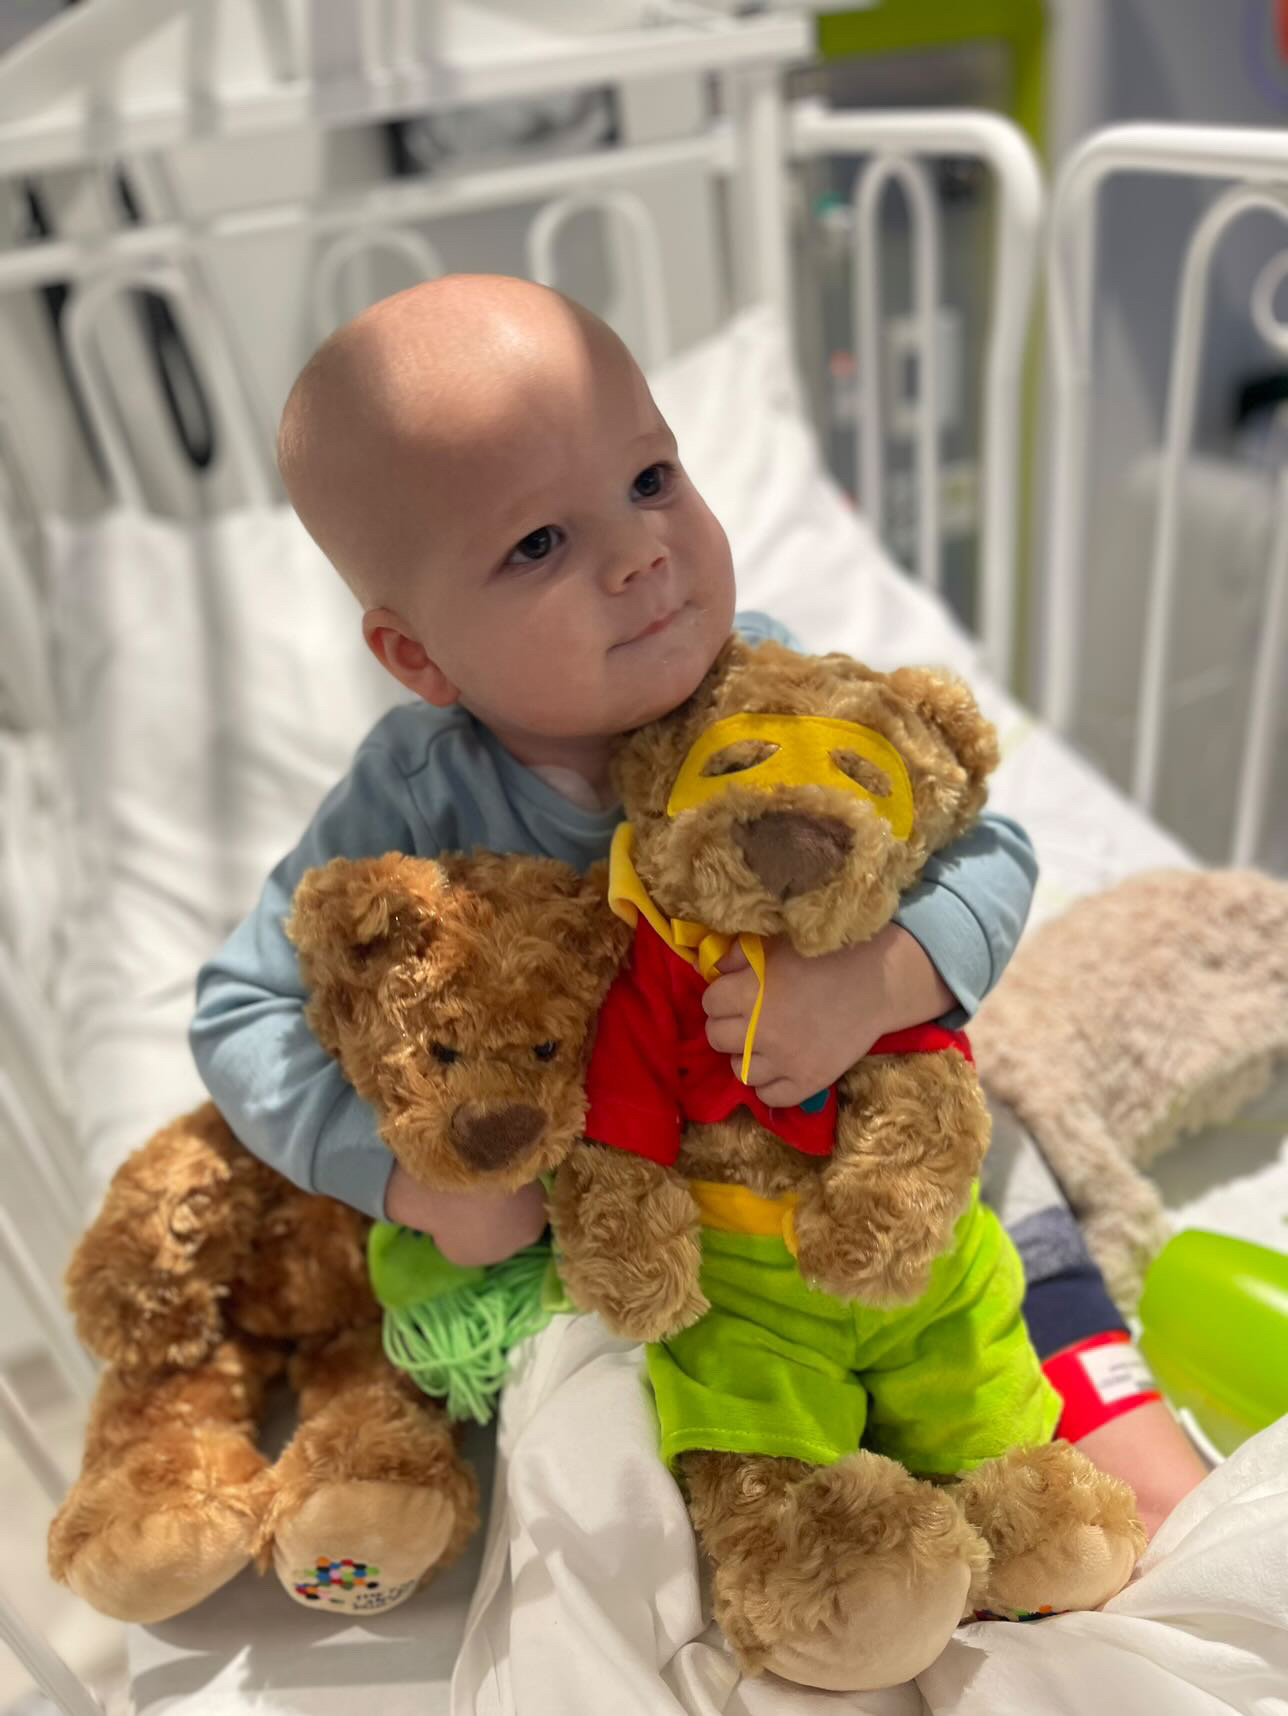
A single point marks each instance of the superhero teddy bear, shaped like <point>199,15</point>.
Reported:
<point>844,1383</point>
<point>206,1275</point>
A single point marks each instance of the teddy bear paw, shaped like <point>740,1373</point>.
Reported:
<point>360,1547</point>
<point>1064,1534</point>
<point>655,1318</point>
<point>845,1263</point>
<point>163,1527</point>
<point>852,1580</point>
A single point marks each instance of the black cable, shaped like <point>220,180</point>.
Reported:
<point>172,361</point>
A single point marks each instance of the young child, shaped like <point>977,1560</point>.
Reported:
<point>482,462</point>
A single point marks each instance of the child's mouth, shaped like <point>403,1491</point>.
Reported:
<point>652,630</point>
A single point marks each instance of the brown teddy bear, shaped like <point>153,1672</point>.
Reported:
<point>819,1278</point>
<point>458,996</point>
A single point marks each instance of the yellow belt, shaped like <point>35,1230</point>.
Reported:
<point>735,1209</point>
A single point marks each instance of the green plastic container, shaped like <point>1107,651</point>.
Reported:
<point>1214,1318</point>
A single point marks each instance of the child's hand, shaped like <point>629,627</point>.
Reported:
<point>468,1227</point>
<point>820,1015</point>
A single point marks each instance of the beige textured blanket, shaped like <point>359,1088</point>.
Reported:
<point>1152,1010</point>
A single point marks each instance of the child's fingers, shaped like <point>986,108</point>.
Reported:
<point>776,1092</point>
<point>730,997</point>
<point>759,1073</point>
<point>727,1036</point>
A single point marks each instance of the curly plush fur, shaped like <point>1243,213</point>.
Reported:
<point>1071,1039</point>
<point>458,997</point>
<point>849,1576</point>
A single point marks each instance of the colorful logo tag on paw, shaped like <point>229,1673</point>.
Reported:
<point>1016,1614</point>
<point>352,1587</point>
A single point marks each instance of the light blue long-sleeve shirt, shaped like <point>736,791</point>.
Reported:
<point>429,780</point>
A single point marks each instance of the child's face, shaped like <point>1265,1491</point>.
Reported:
<point>566,579</point>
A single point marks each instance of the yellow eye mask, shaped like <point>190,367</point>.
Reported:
<point>773,750</point>
<point>768,751</point>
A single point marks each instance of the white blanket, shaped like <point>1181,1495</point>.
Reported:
<point>589,1601</point>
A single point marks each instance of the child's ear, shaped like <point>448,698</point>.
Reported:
<point>399,653</point>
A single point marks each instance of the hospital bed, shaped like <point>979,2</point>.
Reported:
<point>180,684</point>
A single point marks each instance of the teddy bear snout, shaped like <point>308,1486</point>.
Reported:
<point>792,852</point>
<point>489,1138</point>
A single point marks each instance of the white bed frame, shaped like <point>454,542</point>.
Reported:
<point>68,100</point>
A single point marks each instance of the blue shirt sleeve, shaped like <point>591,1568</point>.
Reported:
<point>972,902</point>
<point>283,1096</point>
<point>970,906</point>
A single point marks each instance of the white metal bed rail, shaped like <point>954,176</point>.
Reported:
<point>898,143</point>
<point>175,257</point>
<point>67,98</point>
<point>50,1672</point>
<point>1257,163</point>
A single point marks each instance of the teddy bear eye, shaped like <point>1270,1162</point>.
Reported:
<point>867,774</point>
<point>733,759</point>
<point>546,1051</point>
<point>444,1053</point>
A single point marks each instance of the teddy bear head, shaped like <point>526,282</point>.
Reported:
<point>458,995</point>
<point>800,795</point>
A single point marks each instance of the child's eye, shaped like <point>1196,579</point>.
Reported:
<point>536,545</point>
<point>652,482</point>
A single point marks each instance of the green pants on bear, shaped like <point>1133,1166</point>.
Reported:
<point>777,1367</point>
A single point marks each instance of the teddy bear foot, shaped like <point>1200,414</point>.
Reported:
<point>848,1577</point>
<point>885,1629</point>
<point>1064,1535</point>
<point>162,1527</point>
<point>361,1548</point>
<point>370,1496</point>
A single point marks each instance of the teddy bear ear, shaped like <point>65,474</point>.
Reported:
<point>948,706</point>
<point>347,911</point>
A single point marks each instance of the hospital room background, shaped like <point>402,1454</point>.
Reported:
<point>1018,402</point>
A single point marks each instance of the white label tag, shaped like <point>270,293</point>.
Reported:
<point>1116,1371</point>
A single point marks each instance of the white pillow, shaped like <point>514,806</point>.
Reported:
<point>802,553</point>
<point>215,684</point>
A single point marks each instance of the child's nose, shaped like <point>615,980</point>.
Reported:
<point>627,566</point>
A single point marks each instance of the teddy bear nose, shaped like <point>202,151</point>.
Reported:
<point>492,1137</point>
<point>793,853</point>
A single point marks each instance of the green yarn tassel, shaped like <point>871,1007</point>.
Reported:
<point>451,1328</point>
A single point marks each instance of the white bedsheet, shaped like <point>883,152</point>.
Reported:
<point>589,1600</point>
<point>216,684</point>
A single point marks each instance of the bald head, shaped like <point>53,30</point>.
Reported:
<point>379,423</point>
